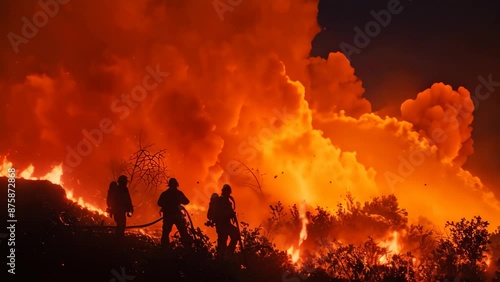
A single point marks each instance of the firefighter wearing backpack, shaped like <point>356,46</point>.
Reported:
<point>171,201</point>
<point>221,213</point>
<point>119,204</point>
<point>110,198</point>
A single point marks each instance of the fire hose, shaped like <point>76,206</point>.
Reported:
<point>236,221</point>
<point>239,232</point>
<point>190,221</point>
<point>193,230</point>
<point>109,226</point>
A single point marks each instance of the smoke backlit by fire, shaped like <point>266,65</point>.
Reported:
<point>242,90</point>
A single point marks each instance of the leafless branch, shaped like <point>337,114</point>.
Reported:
<point>147,168</point>
<point>258,185</point>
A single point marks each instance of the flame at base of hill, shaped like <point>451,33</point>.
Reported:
<point>53,176</point>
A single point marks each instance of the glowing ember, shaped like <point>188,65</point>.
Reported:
<point>392,245</point>
<point>295,253</point>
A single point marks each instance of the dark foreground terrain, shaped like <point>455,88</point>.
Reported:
<point>47,249</point>
<point>48,246</point>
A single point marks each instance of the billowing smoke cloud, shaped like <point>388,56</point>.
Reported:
<point>334,87</point>
<point>445,117</point>
<point>234,100</point>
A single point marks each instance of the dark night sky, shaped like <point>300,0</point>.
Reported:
<point>429,41</point>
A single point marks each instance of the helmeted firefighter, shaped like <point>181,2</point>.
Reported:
<point>171,201</point>
<point>119,204</point>
<point>222,215</point>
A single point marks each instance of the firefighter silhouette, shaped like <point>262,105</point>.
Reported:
<point>110,199</point>
<point>171,201</point>
<point>119,204</point>
<point>222,215</point>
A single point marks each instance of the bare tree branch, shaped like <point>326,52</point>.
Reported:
<point>258,182</point>
<point>147,168</point>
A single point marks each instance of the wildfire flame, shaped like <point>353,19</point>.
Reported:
<point>295,253</point>
<point>5,166</point>
<point>487,259</point>
<point>82,203</point>
<point>53,176</point>
<point>392,245</point>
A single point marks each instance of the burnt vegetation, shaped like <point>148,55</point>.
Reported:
<point>351,244</point>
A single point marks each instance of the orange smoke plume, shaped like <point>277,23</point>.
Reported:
<point>235,101</point>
